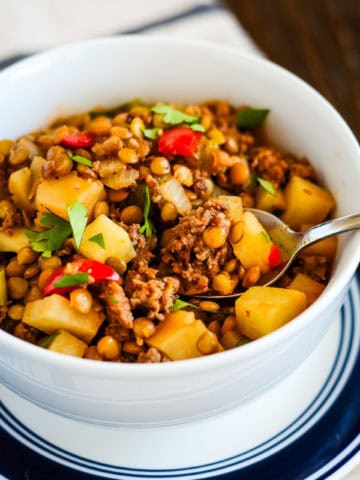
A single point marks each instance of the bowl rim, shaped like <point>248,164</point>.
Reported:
<point>190,366</point>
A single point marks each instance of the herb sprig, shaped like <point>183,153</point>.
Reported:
<point>80,159</point>
<point>77,213</point>
<point>50,240</point>
<point>72,280</point>
<point>99,239</point>
<point>251,117</point>
<point>175,117</point>
<point>266,185</point>
<point>148,227</point>
<point>47,340</point>
<point>180,304</point>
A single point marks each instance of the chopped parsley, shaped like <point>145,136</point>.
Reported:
<point>173,116</point>
<point>243,341</point>
<point>113,299</point>
<point>180,304</point>
<point>80,159</point>
<point>266,236</point>
<point>151,133</point>
<point>148,227</point>
<point>72,280</point>
<point>47,340</point>
<point>50,240</point>
<point>99,239</point>
<point>78,219</point>
<point>251,117</point>
<point>266,185</point>
<point>111,112</point>
<point>197,127</point>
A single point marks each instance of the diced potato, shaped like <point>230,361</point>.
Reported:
<point>306,284</point>
<point>233,205</point>
<point>255,244</point>
<point>117,241</point>
<point>270,203</point>
<point>67,344</point>
<point>174,192</point>
<point>53,313</point>
<point>261,310</point>
<point>57,194</point>
<point>178,334</point>
<point>306,203</point>
<point>19,187</point>
<point>13,242</point>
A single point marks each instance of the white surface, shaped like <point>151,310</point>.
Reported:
<point>251,426</point>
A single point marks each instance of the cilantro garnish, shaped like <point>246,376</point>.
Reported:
<point>243,341</point>
<point>80,159</point>
<point>173,116</point>
<point>72,280</point>
<point>266,236</point>
<point>180,304</point>
<point>251,117</point>
<point>78,219</point>
<point>111,112</point>
<point>113,299</point>
<point>197,127</point>
<point>151,133</point>
<point>99,239</point>
<point>46,342</point>
<point>268,186</point>
<point>50,240</point>
<point>147,228</point>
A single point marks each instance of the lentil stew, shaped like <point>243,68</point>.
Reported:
<point>108,218</point>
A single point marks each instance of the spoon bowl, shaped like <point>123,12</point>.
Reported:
<point>290,243</point>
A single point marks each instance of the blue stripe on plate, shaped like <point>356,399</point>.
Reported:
<point>314,439</point>
<point>195,11</point>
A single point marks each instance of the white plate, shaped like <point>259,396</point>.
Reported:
<point>305,427</point>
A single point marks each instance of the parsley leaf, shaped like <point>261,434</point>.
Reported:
<point>266,236</point>
<point>173,116</point>
<point>148,227</point>
<point>48,241</point>
<point>243,341</point>
<point>72,280</point>
<point>46,341</point>
<point>151,133</point>
<point>111,112</point>
<point>251,117</point>
<point>197,127</point>
<point>80,159</point>
<point>99,239</point>
<point>78,219</point>
<point>113,299</point>
<point>180,304</point>
<point>268,186</point>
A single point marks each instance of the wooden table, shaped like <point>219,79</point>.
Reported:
<point>319,40</point>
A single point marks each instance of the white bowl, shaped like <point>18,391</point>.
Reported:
<point>107,72</point>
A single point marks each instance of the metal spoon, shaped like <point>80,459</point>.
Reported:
<point>291,243</point>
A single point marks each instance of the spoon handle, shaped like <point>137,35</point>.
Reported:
<point>329,228</point>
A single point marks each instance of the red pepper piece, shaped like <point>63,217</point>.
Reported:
<point>179,141</point>
<point>78,140</point>
<point>98,272</point>
<point>274,256</point>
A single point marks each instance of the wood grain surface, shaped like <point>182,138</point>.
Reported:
<point>319,40</point>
